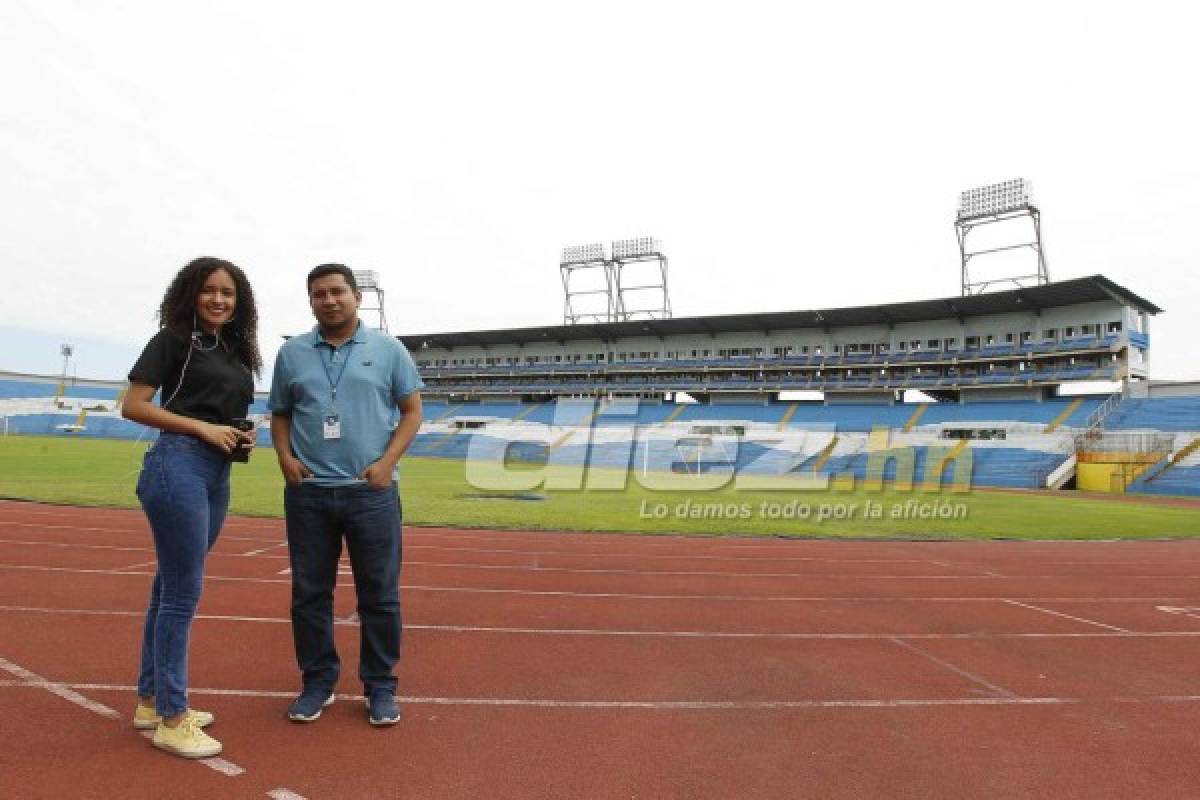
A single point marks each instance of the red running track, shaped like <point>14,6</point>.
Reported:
<point>561,665</point>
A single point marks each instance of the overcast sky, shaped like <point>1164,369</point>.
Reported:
<point>788,155</point>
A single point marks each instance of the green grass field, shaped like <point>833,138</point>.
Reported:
<point>436,492</point>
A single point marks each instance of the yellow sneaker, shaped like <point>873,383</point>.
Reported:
<point>147,719</point>
<point>185,739</point>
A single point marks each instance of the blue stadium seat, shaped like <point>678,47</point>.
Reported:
<point>1157,413</point>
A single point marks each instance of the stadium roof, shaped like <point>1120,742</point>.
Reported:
<point>1095,288</point>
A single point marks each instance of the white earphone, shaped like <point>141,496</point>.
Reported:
<point>194,344</point>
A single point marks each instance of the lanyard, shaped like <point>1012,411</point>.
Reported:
<point>333,383</point>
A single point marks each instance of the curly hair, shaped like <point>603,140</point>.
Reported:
<point>178,308</point>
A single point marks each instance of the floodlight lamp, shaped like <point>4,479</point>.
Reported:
<point>66,350</point>
<point>366,278</point>
<point>995,198</point>
<point>633,248</point>
<point>582,253</point>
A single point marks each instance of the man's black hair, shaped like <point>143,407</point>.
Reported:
<point>322,270</point>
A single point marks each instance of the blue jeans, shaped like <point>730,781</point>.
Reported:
<point>317,519</point>
<point>184,490</point>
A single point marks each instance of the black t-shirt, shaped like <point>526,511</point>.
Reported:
<point>216,387</point>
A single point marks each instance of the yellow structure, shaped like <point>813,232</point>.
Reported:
<point>1111,472</point>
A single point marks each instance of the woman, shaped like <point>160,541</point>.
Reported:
<point>202,360</point>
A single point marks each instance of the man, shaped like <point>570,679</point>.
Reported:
<point>344,408</point>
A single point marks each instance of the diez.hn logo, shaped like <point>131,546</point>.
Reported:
<point>597,446</point>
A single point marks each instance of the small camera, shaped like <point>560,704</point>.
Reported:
<point>241,453</point>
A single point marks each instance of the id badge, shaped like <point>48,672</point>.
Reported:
<point>333,426</point>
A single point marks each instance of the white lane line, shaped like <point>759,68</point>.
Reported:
<point>76,545</point>
<point>536,567</point>
<point>124,549</point>
<point>222,766</point>
<point>1184,612</point>
<point>678,705</point>
<point>787,635</point>
<point>352,619</point>
<point>124,531</point>
<point>632,596</point>
<point>682,573</point>
<point>542,568</point>
<point>139,565</point>
<point>262,550</point>
<point>688,597</point>
<point>67,692</point>
<point>506,567</point>
<point>799,576</point>
<point>33,679</point>
<point>121,515</point>
<point>991,687</point>
<point>284,794</point>
<point>411,534</point>
<point>966,567</point>
<point>505,537</point>
<point>1141,563</point>
<point>1066,616</point>
<point>646,556</point>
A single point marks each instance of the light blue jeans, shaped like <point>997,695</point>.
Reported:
<point>184,490</point>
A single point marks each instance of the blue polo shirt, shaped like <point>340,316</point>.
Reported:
<point>372,372</point>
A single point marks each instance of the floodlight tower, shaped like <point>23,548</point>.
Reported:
<point>577,263</point>
<point>644,250</point>
<point>368,284</point>
<point>987,205</point>
<point>66,351</point>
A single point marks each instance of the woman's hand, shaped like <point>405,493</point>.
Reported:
<point>139,407</point>
<point>222,437</point>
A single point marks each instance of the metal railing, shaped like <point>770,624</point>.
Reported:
<point>1124,442</point>
<point>1095,420</point>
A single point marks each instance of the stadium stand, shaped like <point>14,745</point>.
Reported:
<point>711,392</point>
